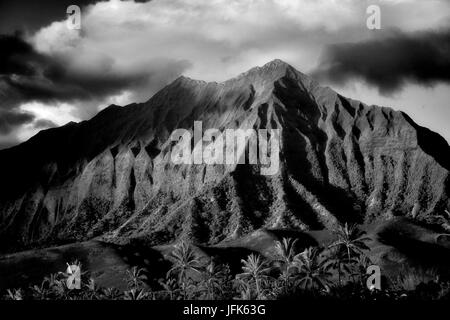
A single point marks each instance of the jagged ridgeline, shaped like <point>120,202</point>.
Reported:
<point>340,160</point>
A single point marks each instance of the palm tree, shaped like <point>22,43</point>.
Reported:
<point>51,280</point>
<point>336,264</point>
<point>256,269</point>
<point>92,291</point>
<point>361,263</point>
<point>243,287</point>
<point>285,253</point>
<point>136,277</point>
<point>111,293</point>
<point>56,285</point>
<point>185,261</point>
<point>312,271</point>
<point>136,294</point>
<point>212,280</point>
<point>40,292</point>
<point>14,294</point>
<point>170,287</point>
<point>351,239</point>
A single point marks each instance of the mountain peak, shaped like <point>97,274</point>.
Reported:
<point>275,64</point>
<point>185,79</point>
<point>271,71</point>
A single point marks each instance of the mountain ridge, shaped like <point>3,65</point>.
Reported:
<point>341,160</point>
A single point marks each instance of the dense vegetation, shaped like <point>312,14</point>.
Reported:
<point>335,272</point>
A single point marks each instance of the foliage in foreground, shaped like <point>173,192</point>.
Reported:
<point>335,272</point>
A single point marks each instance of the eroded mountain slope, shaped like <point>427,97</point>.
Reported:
<point>340,160</point>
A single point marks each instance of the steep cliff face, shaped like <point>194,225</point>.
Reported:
<point>340,160</point>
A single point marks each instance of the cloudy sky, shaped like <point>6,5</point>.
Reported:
<point>127,50</point>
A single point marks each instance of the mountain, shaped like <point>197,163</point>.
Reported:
<point>111,176</point>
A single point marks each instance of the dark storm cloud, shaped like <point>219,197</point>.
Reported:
<point>391,61</point>
<point>23,73</point>
<point>14,55</point>
<point>16,58</point>
<point>44,124</point>
<point>9,119</point>
<point>32,76</point>
<point>27,75</point>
